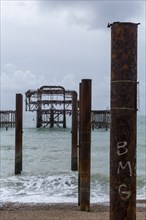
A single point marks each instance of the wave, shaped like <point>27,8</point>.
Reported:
<point>55,189</point>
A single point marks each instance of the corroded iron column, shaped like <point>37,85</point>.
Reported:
<point>64,111</point>
<point>51,117</point>
<point>18,134</point>
<point>123,121</point>
<point>85,145</point>
<point>74,166</point>
<point>39,110</point>
<point>79,143</point>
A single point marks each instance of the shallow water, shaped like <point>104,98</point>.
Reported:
<point>47,175</point>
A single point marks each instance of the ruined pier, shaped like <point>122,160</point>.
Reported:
<point>51,103</point>
<point>7,119</point>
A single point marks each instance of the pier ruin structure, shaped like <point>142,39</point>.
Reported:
<point>51,103</point>
<point>100,119</point>
<point>7,119</point>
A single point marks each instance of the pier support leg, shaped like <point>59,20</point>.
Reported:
<point>79,143</point>
<point>39,111</point>
<point>123,121</point>
<point>74,166</point>
<point>39,118</point>
<point>85,145</point>
<point>64,111</point>
<point>64,119</point>
<point>18,134</point>
<point>51,118</point>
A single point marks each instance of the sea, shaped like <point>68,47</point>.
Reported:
<point>47,175</point>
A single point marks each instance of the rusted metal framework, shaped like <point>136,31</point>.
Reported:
<point>7,119</point>
<point>52,104</point>
<point>100,119</point>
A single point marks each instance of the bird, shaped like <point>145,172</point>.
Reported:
<point>109,25</point>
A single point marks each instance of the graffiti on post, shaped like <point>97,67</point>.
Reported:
<point>123,189</point>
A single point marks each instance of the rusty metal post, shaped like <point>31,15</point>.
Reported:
<point>39,118</point>
<point>74,166</point>
<point>18,134</point>
<point>64,111</point>
<point>123,121</point>
<point>39,110</point>
<point>85,145</point>
<point>79,143</point>
<point>51,117</point>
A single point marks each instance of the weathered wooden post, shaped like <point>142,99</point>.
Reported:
<point>18,134</point>
<point>123,121</point>
<point>85,145</point>
<point>74,166</point>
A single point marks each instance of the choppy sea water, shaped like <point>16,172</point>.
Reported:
<point>47,175</point>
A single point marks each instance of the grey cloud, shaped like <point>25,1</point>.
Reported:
<point>96,13</point>
<point>47,51</point>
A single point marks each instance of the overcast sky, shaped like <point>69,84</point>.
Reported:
<point>62,42</point>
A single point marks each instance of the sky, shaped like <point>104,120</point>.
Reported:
<point>62,42</point>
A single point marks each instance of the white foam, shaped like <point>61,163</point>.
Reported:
<point>52,189</point>
<point>42,189</point>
